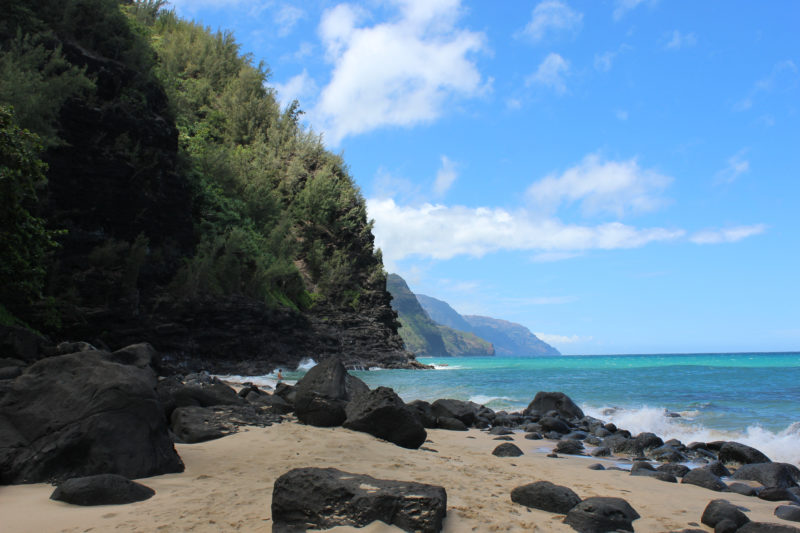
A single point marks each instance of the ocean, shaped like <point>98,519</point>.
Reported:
<point>752,398</point>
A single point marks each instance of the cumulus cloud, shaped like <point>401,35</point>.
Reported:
<point>734,234</point>
<point>397,73</point>
<point>441,232</point>
<point>445,176</point>
<point>735,167</point>
<point>552,16</point>
<point>551,73</point>
<point>297,87</point>
<point>550,338</point>
<point>618,187</point>
<point>681,40</point>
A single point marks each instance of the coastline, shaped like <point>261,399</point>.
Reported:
<point>228,483</point>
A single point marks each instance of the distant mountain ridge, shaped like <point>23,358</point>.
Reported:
<point>423,336</point>
<point>508,338</point>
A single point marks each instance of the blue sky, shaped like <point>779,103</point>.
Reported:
<point>618,176</point>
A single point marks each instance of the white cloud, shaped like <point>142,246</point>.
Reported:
<point>551,73</point>
<point>782,77</point>
<point>681,40</point>
<point>441,232</point>
<point>736,166</point>
<point>550,338</point>
<point>287,17</point>
<point>734,234</point>
<point>398,73</point>
<point>298,87</point>
<point>618,187</point>
<point>623,6</point>
<point>604,61</point>
<point>445,176</point>
<point>551,16</point>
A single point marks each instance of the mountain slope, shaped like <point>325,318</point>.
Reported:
<point>422,335</point>
<point>509,338</point>
<point>441,313</point>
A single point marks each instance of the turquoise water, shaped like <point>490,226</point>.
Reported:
<point>753,398</point>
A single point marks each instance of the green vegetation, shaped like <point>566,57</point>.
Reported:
<point>276,217</point>
<point>24,240</point>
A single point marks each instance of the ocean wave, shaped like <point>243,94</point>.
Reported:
<point>267,381</point>
<point>445,366</point>
<point>306,364</point>
<point>781,446</point>
<point>482,399</point>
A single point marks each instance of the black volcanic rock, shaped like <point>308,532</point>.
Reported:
<point>466,412</point>
<point>734,452</point>
<point>101,489</point>
<point>705,478</point>
<point>322,498</point>
<point>788,512</point>
<point>382,413</point>
<point>78,415</point>
<point>718,510</point>
<point>544,402</point>
<point>783,475</point>
<point>546,496</point>
<point>599,514</point>
<point>507,449</point>
<point>323,393</point>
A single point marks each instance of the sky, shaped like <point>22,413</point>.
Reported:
<point>618,176</point>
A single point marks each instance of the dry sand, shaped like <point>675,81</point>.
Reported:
<point>227,485</point>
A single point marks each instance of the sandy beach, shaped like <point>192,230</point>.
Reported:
<point>227,485</point>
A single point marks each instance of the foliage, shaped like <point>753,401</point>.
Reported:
<point>24,239</point>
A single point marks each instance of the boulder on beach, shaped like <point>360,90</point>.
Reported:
<point>763,527</point>
<point>507,449</point>
<point>783,475</point>
<point>424,412</point>
<point>544,402</point>
<point>80,414</point>
<point>778,494</point>
<point>570,447</point>
<point>322,498</point>
<point>675,469</point>
<point>466,412</point>
<point>174,392</point>
<point>735,452</point>
<point>451,424</point>
<point>101,489</point>
<point>546,496</point>
<point>383,414</point>
<point>788,512</point>
<point>705,478</point>
<point>718,510</point>
<point>199,424</point>
<point>322,394</point>
<point>599,514</point>
<point>551,423</point>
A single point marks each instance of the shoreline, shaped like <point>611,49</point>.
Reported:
<point>228,482</point>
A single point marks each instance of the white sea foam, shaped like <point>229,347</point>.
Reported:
<point>782,446</point>
<point>267,381</point>
<point>482,399</point>
<point>445,366</point>
<point>306,364</point>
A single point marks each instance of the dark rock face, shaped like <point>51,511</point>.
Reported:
<point>466,412</point>
<point>322,498</point>
<point>734,452</point>
<point>783,475</point>
<point>78,415</point>
<point>545,402</point>
<point>20,343</point>
<point>175,393</point>
<point>424,413</point>
<point>102,489</point>
<point>550,423</point>
<point>546,496</point>
<point>323,393</point>
<point>718,510</point>
<point>599,514</point>
<point>383,414</point>
<point>507,449</point>
<point>788,512</point>
<point>744,490</point>
<point>704,478</point>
